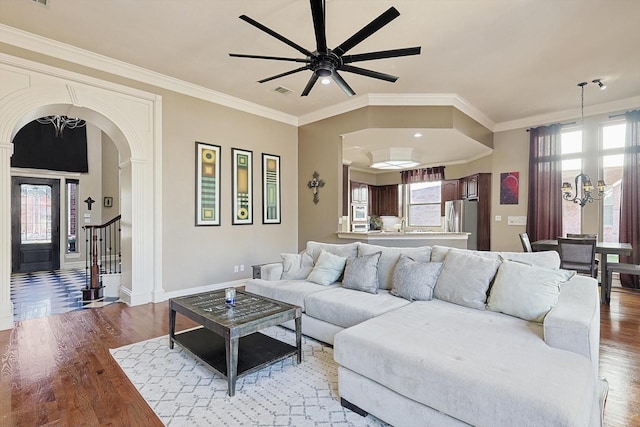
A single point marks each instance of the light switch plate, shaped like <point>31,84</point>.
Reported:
<point>498,218</point>
<point>517,220</point>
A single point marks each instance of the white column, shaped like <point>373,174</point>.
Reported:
<point>6,306</point>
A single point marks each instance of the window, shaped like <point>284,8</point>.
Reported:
<point>423,207</point>
<point>72,215</point>
<point>571,149</point>
<point>613,136</point>
<point>35,213</point>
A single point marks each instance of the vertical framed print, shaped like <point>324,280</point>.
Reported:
<point>207,184</point>
<point>271,189</point>
<point>242,191</point>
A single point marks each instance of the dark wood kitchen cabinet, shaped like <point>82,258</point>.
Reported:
<point>383,200</point>
<point>450,190</point>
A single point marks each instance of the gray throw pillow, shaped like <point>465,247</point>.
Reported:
<point>465,279</point>
<point>361,273</point>
<point>526,291</point>
<point>296,266</point>
<point>414,280</point>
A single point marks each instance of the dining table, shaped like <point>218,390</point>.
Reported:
<point>604,248</point>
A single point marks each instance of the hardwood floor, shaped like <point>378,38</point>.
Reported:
<point>58,370</point>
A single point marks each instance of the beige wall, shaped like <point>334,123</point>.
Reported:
<point>110,178</point>
<point>196,256</point>
<point>199,256</point>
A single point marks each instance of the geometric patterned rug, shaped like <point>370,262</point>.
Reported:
<point>45,293</point>
<point>183,392</point>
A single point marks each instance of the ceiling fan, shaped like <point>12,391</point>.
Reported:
<point>325,62</point>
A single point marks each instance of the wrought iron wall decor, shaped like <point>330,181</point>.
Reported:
<point>314,185</point>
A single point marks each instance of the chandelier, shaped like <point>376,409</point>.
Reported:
<point>61,122</point>
<point>587,190</point>
<point>583,178</point>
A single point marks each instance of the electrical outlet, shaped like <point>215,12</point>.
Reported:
<point>235,268</point>
<point>241,267</point>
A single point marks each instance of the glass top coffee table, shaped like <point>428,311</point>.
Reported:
<point>229,340</point>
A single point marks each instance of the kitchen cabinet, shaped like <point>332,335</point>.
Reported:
<point>472,187</point>
<point>450,190</point>
<point>359,192</point>
<point>478,187</point>
<point>383,200</point>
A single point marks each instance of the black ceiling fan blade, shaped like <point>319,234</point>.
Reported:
<point>369,73</point>
<point>312,81</point>
<point>276,35</point>
<point>274,58</point>
<point>382,20</point>
<point>297,70</point>
<point>393,53</point>
<point>319,24</point>
<point>343,85</point>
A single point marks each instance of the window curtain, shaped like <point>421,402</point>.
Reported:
<point>423,175</point>
<point>544,209</point>
<point>630,197</point>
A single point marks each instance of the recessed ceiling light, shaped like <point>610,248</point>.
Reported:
<point>417,135</point>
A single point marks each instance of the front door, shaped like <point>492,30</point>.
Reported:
<point>35,224</point>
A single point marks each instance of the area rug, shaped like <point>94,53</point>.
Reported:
<point>182,391</point>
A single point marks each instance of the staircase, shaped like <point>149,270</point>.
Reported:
<point>103,259</point>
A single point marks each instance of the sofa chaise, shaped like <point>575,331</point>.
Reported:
<point>436,336</point>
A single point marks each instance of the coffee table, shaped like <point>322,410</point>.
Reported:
<point>229,341</point>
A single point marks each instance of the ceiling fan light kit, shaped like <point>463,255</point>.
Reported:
<point>325,62</point>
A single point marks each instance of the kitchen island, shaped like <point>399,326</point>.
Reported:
<point>408,238</point>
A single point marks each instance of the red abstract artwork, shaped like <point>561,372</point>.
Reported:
<point>509,188</point>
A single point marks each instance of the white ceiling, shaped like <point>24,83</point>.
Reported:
<point>510,60</point>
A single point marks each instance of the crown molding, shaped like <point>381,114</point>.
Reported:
<point>45,46</point>
<point>394,99</point>
<point>612,107</point>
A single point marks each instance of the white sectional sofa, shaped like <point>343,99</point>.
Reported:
<point>435,336</point>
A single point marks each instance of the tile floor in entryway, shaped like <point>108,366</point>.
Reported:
<point>45,293</point>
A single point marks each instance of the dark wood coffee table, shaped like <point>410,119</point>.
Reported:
<point>229,341</point>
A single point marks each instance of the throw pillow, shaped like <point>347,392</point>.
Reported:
<point>465,279</point>
<point>526,291</point>
<point>328,268</point>
<point>414,280</point>
<point>296,266</point>
<point>389,258</point>
<point>361,273</point>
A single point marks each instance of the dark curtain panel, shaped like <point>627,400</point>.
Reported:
<point>36,146</point>
<point>544,209</point>
<point>423,175</point>
<point>630,198</point>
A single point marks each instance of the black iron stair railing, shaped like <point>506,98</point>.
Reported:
<point>103,249</point>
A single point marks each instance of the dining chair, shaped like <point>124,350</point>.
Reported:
<point>579,255</point>
<point>585,236</point>
<point>526,243</point>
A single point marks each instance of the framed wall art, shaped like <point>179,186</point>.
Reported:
<point>207,184</point>
<point>242,191</point>
<point>509,188</point>
<point>271,189</point>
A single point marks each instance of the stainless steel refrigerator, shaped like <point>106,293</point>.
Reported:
<point>462,216</point>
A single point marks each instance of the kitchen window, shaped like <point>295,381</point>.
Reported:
<point>423,204</point>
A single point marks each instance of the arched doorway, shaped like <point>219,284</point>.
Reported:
<point>131,119</point>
